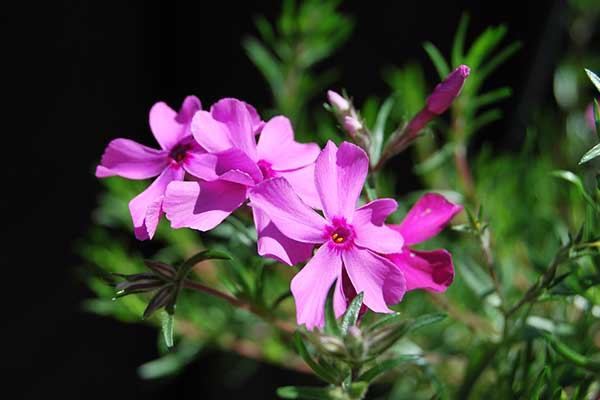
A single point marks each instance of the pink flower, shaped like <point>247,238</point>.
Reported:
<point>235,162</point>
<point>351,240</point>
<point>129,159</point>
<point>589,116</point>
<point>430,270</point>
<point>444,93</point>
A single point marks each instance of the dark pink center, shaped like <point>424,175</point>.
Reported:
<point>265,168</point>
<point>339,234</point>
<point>179,152</point>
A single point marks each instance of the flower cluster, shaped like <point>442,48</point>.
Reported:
<point>303,200</point>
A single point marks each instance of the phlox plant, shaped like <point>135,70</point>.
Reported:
<point>298,250</point>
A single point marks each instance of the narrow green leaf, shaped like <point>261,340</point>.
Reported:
<point>167,323</point>
<point>571,355</point>
<point>268,65</point>
<point>575,180</point>
<point>490,97</point>
<point>331,324</point>
<point>496,61</point>
<point>385,366</point>
<point>484,45</point>
<point>309,393</point>
<point>591,154</point>
<point>594,78</point>
<point>172,362</point>
<point>378,132</point>
<point>425,320</point>
<point>351,315</point>
<point>387,319</point>
<point>438,60</point>
<point>318,369</point>
<point>538,386</point>
<point>483,119</point>
<point>459,41</point>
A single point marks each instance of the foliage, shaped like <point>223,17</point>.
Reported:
<point>521,318</point>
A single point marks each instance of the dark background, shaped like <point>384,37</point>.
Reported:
<point>76,75</point>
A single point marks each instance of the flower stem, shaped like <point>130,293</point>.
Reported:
<point>282,325</point>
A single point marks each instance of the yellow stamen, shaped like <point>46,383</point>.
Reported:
<point>338,239</point>
<point>334,236</point>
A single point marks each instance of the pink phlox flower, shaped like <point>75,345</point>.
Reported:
<point>234,163</point>
<point>351,240</point>
<point>430,270</point>
<point>132,160</point>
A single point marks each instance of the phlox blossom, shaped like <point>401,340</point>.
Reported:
<point>352,240</point>
<point>235,162</point>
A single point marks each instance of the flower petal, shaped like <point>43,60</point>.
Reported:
<point>339,176</point>
<point>303,183</point>
<point>202,205</point>
<point>129,159</point>
<point>311,286</point>
<point>168,126</point>
<point>370,231</point>
<point>274,244</point>
<point>426,218</point>
<point>236,116</point>
<point>369,273</point>
<point>276,198</point>
<point>236,159</point>
<point>257,122</point>
<point>211,134</point>
<point>277,146</point>
<point>146,207</point>
<point>430,270</point>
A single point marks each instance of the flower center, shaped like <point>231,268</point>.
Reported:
<point>179,152</point>
<point>265,169</point>
<point>339,233</point>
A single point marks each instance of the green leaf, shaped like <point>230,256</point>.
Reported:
<point>538,387</point>
<point>459,41</point>
<point>309,393</point>
<point>438,60</point>
<point>268,65</point>
<point>351,315</point>
<point>331,324</point>
<point>495,62</point>
<point>425,320</point>
<point>321,372</point>
<point>571,355</point>
<point>172,362</point>
<point>167,322</point>
<point>483,45</point>
<point>387,319</point>
<point>575,180</point>
<point>204,255</point>
<point>594,78</point>
<point>591,154</point>
<point>385,366</point>
<point>378,132</point>
<point>490,97</point>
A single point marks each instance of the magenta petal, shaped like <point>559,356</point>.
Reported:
<point>340,302</point>
<point>303,183</point>
<point>339,176</point>
<point>276,198</point>
<point>202,205</point>
<point>211,134</point>
<point>430,270</point>
<point>201,165</point>
<point>236,159</point>
<point>371,233</point>
<point>368,273</point>
<point>146,207</point>
<point>273,244</point>
<point>426,218</point>
<point>129,159</point>
<point>311,285</point>
<point>257,122</point>
<point>235,115</point>
<point>168,126</point>
<point>277,146</point>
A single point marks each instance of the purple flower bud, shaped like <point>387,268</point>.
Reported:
<point>338,102</point>
<point>352,125</point>
<point>445,92</point>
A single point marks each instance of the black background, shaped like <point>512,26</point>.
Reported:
<point>77,74</point>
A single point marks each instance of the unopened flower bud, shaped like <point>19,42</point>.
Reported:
<point>352,125</point>
<point>445,92</point>
<point>338,102</point>
<point>355,343</point>
<point>589,116</point>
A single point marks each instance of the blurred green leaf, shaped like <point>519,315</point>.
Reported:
<point>438,60</point>
<point>571,355</point>
<point>309,393</point>
<point>385,366</point>
<point>331,324</point>
<point>167,321</point>
<point>575,180</point>
<point>321,372</point>
<point>591,154</point>
<point>459,41</point>
<point>378,131</point>
<point>538,386</point>
<point>172,362</point>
